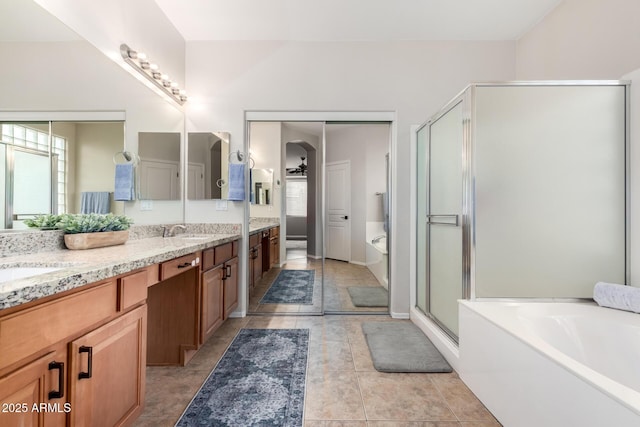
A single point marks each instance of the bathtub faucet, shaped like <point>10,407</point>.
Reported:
<point>378,238</point>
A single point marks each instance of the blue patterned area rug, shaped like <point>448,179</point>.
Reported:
<point>291,287</point>
<point>260,381</point>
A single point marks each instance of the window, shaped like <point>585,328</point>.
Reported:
<point>35,139</point>
<point>296,197</point>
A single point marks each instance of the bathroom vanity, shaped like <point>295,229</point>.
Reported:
<point>75,341</point>
<point>264,250</point>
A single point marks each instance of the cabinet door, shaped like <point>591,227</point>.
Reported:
<point>212,297</point>
<point>108,372</point>
<point>275,252</point>
<point>231,286</point>
<point>257,265</point>
<point>35,395</point>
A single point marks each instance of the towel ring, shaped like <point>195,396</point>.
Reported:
<point>221,183</point>
<point>239,155</point>
<point>127,156</point>
<point>252,162</point>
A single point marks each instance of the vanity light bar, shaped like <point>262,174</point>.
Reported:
<point>141,63</point>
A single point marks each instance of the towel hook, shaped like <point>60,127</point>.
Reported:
<point>221,183</point>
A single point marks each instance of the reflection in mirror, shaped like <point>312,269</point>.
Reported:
<point>159,167</point>
<point>74,175</point>
<point>208,165</point>
<point>261,186</point>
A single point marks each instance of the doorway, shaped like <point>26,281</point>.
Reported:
<point>354,269</point>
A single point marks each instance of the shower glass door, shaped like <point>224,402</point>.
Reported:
<point>440,209</point>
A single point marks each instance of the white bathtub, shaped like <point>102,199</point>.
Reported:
<point>376,252</point>
<point>552,364</point>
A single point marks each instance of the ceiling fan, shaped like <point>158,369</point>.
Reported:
<point>301,169</point>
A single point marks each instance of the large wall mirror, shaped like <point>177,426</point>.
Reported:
<point>159,168</point>
<point>261,186</point>
<point>208,165</point>
<point>55,167</point>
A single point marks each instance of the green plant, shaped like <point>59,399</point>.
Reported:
<point>93,223</point>
<point>44,221</point>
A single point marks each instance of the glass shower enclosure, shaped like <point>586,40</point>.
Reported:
<point>521,193</point>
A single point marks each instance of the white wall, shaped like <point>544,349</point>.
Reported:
<point>582,39</point>
<point>414,79</point>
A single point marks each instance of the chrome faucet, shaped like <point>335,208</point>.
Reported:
<point>172,230</point>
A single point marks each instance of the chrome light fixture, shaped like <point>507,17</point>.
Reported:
<point>141,63</point>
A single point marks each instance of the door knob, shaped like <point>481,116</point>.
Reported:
<point>345,217</point>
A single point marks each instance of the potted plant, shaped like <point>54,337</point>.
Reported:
<point>86,231</point>
<point>44,222</point>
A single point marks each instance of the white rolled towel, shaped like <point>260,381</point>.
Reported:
<point>621,297</point>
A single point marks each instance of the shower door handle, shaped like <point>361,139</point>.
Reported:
<point>441,219</point>
<point>345,217</point>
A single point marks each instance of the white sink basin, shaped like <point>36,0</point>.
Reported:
<point>15,273</point>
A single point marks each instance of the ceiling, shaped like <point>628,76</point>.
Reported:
<point>311,20</point>
<point>355,20</point>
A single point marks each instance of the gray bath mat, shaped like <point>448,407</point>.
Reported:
<point>402,347</point>
<point>368,296</point>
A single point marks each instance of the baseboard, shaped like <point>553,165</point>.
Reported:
<point>238,314</point>
<point>314,256</point>
<point>395,315</point>
<point>364,264</point>
<point>443,343</point>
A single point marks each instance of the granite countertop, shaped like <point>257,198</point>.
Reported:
<point>82,267</point>
<point>259,226</point>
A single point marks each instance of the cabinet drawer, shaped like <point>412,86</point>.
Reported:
<point>223,253</point>
<point>132,289</point>
<point>254,239</point>
<point>208,260</point>
<point>274,232</point>
<point>26,332</point>
<point>178,265</point>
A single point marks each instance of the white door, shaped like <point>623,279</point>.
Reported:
<point>338,211</point>
<point>195,181</point>
<point>159,180</point>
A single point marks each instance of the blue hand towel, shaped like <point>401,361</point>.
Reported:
<point>236,181</point>
<point>95,202</point>
<point>125,188</point>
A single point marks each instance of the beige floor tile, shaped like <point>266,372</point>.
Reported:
<point>333,395</point>
<point>333,355</point>
<point>464,404</point>
<point>271,322</point>
<point>402,397</point>
<point>413,424</point>
<point>493,423</point>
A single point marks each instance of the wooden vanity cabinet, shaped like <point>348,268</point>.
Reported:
<point>219,287</point>
<point>107,369</point>
<point>274,246</point>
<point>43,381</point>
<point>99,331</point>
<point>212,302</point>
<point>255,259</point>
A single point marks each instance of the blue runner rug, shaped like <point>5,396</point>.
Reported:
<point>291,287</point>
<point>260,381</point>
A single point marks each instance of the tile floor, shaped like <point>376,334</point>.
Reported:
<point>343,388</point>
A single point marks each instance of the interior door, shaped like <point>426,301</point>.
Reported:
<point>444,245</point>
<point>195,179</point>
<point>160,180</point>
<point>338,210</point>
